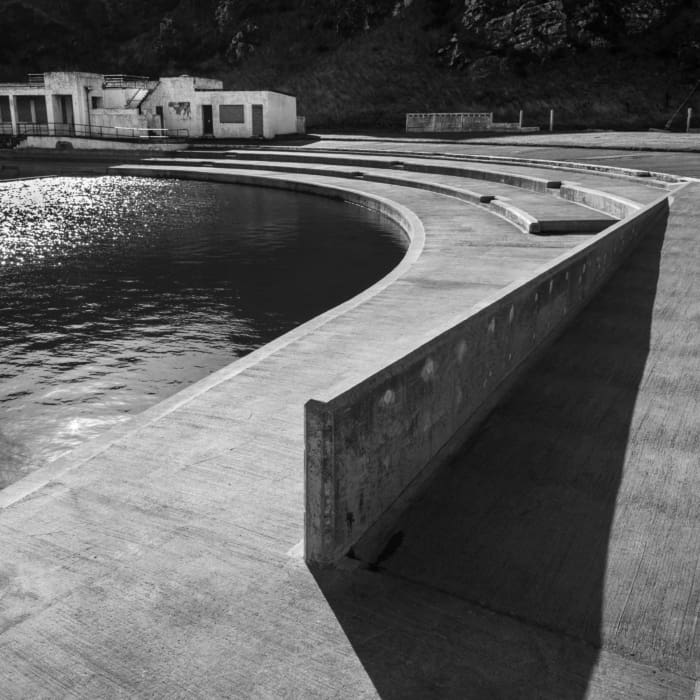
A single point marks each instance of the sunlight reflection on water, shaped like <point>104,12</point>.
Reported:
<point>117,292</point>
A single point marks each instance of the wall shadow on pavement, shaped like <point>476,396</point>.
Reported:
<point>495,590</point>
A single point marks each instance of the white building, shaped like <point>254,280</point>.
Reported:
<point>124,106</point>
<point>204,108</point>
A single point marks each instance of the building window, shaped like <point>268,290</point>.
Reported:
<point>232,114</point>
<point>96,101</point>
<point>5,115</point>
<point>31,109</point>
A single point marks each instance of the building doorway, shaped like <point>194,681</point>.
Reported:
<point>258,130</point>
<point>63,115</point>
<point>207,120</point>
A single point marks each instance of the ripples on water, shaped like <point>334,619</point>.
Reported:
<point>117,292</point>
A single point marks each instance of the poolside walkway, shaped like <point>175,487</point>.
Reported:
<point>165,561</point>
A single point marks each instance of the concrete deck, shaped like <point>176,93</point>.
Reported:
<point>165,561</point>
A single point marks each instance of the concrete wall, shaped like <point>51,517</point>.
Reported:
<point>280,113</point>
<point>119,98</point>
<point>73,84</point>
<point>448,121</point>
<point>208,84</point>
<point>99,144</point>
<point>178,99</point>
<point>370,448</point>
<point>123,118</point>
<point>460,121</point>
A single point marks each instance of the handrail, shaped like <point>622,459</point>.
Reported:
<point>97,131</point>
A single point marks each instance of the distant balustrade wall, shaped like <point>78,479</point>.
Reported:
<point>459,122</point>
<point>449,121</point>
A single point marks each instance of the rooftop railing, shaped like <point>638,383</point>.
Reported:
<point>34,80</point>
<point>121,81</point>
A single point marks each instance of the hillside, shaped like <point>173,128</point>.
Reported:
<point>364,63</point>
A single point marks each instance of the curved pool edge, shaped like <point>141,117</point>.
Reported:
<point>412,229</point>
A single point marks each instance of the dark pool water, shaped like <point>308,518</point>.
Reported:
<point>117,292</point>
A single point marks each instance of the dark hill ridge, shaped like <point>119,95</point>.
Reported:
<point>364,63</point>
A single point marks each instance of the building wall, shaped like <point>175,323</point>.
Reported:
<point>282,111</point>
<point>279,112</point>
<point>208,84</point>
<point>115,98</point>
<point>177,98</point>
<point>74,84</point>
<point>122,118</point>
<point>182,109</point>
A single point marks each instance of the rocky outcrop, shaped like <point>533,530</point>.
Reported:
<point>242,43</point>
<point>642,15</point>
<point>541,28</point>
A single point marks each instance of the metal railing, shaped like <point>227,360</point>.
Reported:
<point>137,98</point>
<point>119,80</point>
<point>96,131</point>
<point>34,80</point>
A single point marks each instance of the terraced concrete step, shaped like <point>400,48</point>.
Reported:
<point>517,179</point>
<point>529,210</point>
<point>616,194</point>
<point>649,178</point>
<point>375,175</point>
<point>556,215</point>
<point>622,184</point>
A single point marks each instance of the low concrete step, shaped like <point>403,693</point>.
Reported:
<point>619,182</point>
<point>556,215</point>
<point>371,174</point>
<point>516,179</point>
<point>612,203</point>
<point>530,211</point>
<point>649,178</point>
